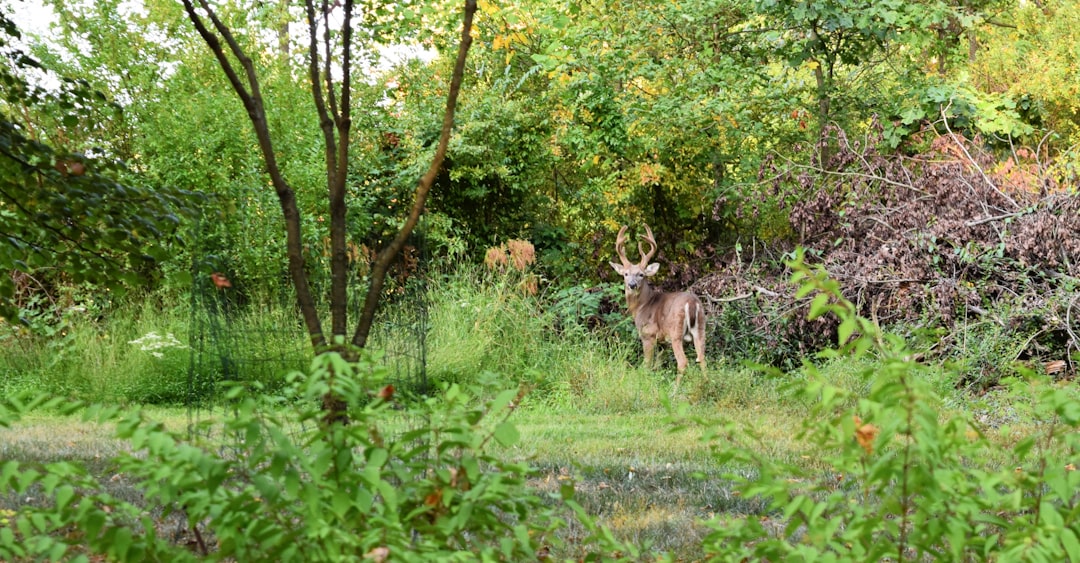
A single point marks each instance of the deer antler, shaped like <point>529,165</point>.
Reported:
<point>648,237</point>
<point>620,246</point>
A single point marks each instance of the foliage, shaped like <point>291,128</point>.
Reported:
<point>65,208</point>
<point>418,484</point>
<point>1031,62</point>
<point>842,43</point>
<point>897,479</point>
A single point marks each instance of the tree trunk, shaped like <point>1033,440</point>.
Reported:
<point>335,125</point>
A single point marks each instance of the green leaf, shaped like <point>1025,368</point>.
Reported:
<point>506,433</point>
<point>340,504</point>
<point>502,400</point>
<point>1071,544</point>
<point>818,305</point>
<point>63,495</point>
<point>56,553</point>
<point>845,330</point>
<point>377,457</point>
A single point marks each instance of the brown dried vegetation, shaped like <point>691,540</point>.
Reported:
<point>944,237</point>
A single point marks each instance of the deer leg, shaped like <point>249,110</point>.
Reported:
<point>699,346</point>
<point>648,345</point>
<point>680,358</point>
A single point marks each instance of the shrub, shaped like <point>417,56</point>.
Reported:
<point>897,480</point>
<point>415,482</point>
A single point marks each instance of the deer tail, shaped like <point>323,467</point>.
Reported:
<point>688,321</point>
<point>691,321</point>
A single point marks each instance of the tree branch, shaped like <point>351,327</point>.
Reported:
<point>287,198</point>
<point>339,258</point>
<point>382,262</point>
<point>954,137</point>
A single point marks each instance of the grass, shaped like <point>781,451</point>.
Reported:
<point>648,481</point>
<point>592,414</point>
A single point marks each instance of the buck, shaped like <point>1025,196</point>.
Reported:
<point>672,317</point>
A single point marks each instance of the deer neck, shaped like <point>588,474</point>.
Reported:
<point>636,298</point>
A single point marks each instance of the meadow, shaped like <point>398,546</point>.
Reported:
<point>661,469</point>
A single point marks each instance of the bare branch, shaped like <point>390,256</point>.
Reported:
<point>286,196</point>
<point>215,46</point>
<point>764,291</point>
<point>954,137</point>
<point>715,300</point>
<point>992,219</point>
<point>1069,321</point>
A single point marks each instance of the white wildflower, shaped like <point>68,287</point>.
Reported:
<point>154,343</point>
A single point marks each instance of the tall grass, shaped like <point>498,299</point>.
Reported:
<point>480,322</point>
<point>141,352</point>
<point>113,357</point>
<point>487,322</point>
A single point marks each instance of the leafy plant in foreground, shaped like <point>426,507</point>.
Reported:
<point>895,478</point>
<point>412,484</point>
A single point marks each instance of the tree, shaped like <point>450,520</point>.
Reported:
<point>332,97</point>
<point>65,208</point>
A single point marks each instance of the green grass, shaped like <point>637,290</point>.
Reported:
<point>592,414</point>
<point>647,480</point>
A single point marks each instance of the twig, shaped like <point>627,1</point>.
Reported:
<point>712,299</point>
<point>199,540</point>
<point>764,291</point>
<point>953,136</point>
<point>1024,346</point>
<point>983,313</point>
<point>877,281</point>
<point>990,219</point>
<point>1068,321</point>
<point>881,179</point>
<point>880,222</point>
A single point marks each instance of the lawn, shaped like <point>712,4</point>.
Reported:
<point>650,481</point>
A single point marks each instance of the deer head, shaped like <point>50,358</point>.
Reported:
<point>634,274</point>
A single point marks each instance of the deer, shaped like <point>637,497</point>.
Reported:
<point>659,316</point>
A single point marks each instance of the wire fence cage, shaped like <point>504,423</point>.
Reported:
<point>237,338</point>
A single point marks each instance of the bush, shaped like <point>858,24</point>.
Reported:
<point>414,482</point>
<point>897,480</point>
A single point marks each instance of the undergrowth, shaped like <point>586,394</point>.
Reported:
<point>569,347</point>
<point>286,487</point>
<point>900,478</point>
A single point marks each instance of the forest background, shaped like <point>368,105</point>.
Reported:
<point>925,153</point>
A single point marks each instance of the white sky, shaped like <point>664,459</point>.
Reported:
<point>30,15</point>
<point>34,18</point>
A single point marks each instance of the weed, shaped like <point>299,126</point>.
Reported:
<point>317,493</point>
<point>898,480</point>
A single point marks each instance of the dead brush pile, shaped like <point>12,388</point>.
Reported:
<point>945,239</point>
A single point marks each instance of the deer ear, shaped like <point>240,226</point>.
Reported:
<point>618,268</point>
<point>651,269</point>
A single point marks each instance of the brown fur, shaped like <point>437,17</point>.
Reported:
<point>659,316</point>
